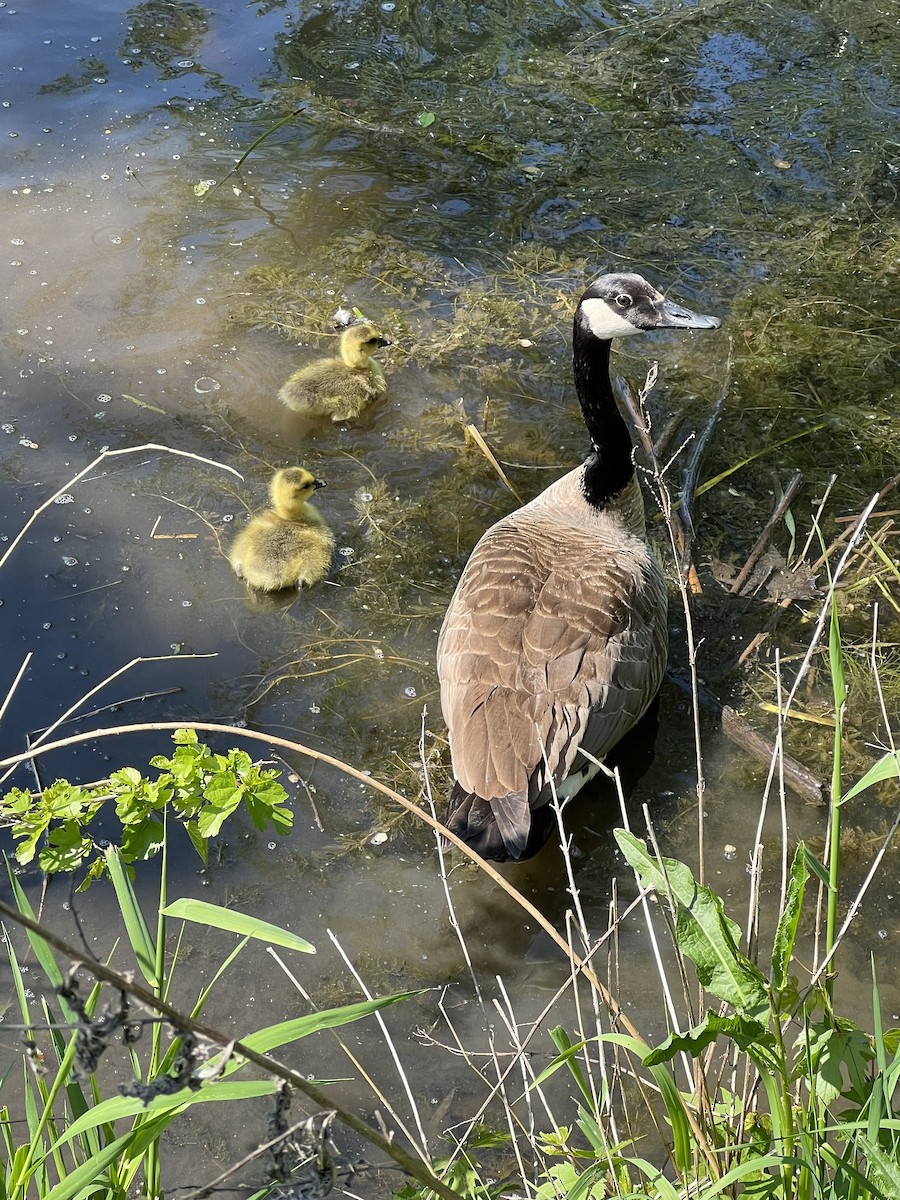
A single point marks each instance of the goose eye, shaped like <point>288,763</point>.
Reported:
<point>623,301</point>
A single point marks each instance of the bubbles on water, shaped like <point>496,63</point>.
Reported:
<point>22,332</point>
<point>882,933</point>
<point>378,839</point>
<point>28,443</point>
<point>206,384</point>
<point>17,241</point>
<point>729,852</point>
<point>47,625</point>
<point>187,603</point>
<point>346,551</point>
<point>378,652</point>
<point>7,428</point>
<point>185,63</point>
<point>388,6</point>
<point>73,437</point>
<point>365,497</point>
<point>65,498</point>
<point>88,511</point>
<point>410,692</point>
<point>69,561</point>
<point>314,709</point>
<point>271,845</point>
<point>228,518</point>
<point>103,398</point>
<point>199,300</point>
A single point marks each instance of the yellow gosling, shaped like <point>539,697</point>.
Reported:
<point>288,545</point>
<point>340,387</point>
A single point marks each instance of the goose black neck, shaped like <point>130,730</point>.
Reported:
<point>609,466</point>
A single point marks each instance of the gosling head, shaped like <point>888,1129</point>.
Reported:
<point>359,342</point>
<point>618,305</point>
<point>290,489</point>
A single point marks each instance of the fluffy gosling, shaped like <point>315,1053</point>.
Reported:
<point>340,387</point>
<point>288,545</point>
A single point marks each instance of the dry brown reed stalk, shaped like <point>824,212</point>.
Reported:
<point>210,462</point>
<point>356,1062</point>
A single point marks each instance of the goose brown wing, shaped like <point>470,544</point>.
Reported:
<point>545,647</point>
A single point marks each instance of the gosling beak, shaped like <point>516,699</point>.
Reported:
<point>385,342</point>
<point>317,483</point>
<point>675,316</point>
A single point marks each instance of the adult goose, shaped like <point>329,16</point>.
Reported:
<point>555,639</point>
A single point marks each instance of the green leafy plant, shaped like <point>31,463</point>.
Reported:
<point>196,787</point>
<point>73,1145</point>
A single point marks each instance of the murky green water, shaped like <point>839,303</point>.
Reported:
<point>742,157</point>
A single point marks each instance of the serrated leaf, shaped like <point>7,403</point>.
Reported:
<point>233,921</point>
<point>703,931</point>
<point>746,1034</point>
<point>786,932</point>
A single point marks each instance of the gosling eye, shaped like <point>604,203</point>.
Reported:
<point>624,301</point>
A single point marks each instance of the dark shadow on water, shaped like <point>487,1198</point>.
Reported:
<point>494,924</point>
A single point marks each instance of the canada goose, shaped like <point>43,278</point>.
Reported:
<point>288,545</point>
<point>342,387</point>
<point>555,638</point>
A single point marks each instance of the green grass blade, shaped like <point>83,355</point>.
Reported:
<point>117,1108</point>
<point>138,934</point>
<point>887,767</point>
<point>232,921</point>
<point>88,1173</point>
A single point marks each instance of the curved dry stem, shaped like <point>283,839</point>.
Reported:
<point>210,462</point>
<point>284,743</point>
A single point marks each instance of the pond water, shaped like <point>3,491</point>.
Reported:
<point>458,174</point>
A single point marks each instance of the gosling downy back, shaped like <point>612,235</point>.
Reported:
<point>340,387</point>
<point>555,639</point>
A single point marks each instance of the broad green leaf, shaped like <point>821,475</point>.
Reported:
<point>119,1107</point>
<point>264,1040</point>
<point>703,931</point>
<point>887,767</point>
<point>747,1035</point>
<point>681,1129</point>
<point>235,922</point>
<point>424,119</point>
<point>138,934</point>
<point>786,933</point>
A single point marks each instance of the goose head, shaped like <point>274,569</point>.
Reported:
<point>619,305</point>
<point>291,488</point>
<point>359,342</point>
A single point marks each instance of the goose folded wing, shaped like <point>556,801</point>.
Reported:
<point>536,661</point>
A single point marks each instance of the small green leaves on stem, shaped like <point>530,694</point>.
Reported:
<point>198,788</point>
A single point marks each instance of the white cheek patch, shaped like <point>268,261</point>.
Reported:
<point>604,322</point>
